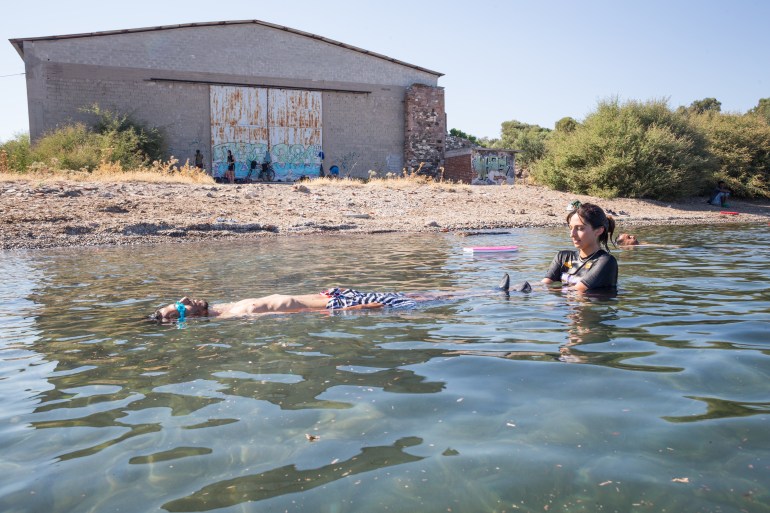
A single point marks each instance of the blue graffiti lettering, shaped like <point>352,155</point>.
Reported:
<point>289,161</point>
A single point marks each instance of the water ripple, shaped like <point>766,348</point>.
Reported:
<point>472,403</point>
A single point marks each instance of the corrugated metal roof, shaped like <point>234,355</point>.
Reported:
<point>18,42</point>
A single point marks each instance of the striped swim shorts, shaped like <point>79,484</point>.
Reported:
<point>345,298</point>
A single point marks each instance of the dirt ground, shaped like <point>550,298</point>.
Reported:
<point>47,214</point>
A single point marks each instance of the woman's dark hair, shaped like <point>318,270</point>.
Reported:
<point>595,216</point>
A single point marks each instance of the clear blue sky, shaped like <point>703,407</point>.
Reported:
<point>534,61</point>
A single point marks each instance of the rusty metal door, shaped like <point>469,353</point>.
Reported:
<point>238,124</point>
<point>266,125</point>
<point>294,122</point>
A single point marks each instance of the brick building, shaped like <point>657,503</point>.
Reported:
<point>479,165</point>
<point>257,89</point>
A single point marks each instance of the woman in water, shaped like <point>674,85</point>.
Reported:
<point>589,267</point>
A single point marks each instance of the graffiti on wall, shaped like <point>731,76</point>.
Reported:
<point>289,162</point>
<point>260,125</point>
<point>295,160</point>
<point>394,163</point>
<point>243,153</point>
<point>493,167</point>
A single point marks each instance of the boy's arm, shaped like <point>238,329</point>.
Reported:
<point>361,307</point>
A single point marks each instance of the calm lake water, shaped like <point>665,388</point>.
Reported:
<point>656,399</point>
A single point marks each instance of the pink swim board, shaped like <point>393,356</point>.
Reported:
<point>726,213</point>
<point>490,249</point>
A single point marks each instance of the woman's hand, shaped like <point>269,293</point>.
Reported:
<point>580,287</point>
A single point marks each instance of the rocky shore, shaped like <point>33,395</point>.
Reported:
<point>56,213</point>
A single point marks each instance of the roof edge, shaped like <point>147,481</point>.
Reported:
<point>18,43</point>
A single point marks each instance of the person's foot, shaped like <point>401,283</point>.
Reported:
<point>505,283</point>
<point>522,287</point>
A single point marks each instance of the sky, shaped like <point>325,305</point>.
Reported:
<point>534,61</point>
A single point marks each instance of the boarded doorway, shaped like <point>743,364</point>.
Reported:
<point>280,126</point>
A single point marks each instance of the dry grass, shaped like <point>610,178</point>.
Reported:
<point>406,180</point>
<point>158,172</point>
<point>171,172</point>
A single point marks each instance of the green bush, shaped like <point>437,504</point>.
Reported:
<point>125,140</point>
<point>634,150</point>
<point>70,147</point>
<point>740,145</point>
<point>18,154</point>
<point>114,138</point>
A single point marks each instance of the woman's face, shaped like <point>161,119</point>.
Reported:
<point>584,236</point>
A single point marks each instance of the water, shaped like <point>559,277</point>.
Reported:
<point>653,400</point>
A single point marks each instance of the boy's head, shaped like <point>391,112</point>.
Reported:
<point>183,308</point>
<point>626,239</point>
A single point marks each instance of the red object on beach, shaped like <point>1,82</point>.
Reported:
<point>490,249</point>
<point>727,213</point>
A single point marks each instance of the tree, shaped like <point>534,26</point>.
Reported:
<point>741,148</point>
<point>705,105</point>
<point>566,124</point>
<point>762,109</point>
<point>528,139</point>
<point>635,149</point>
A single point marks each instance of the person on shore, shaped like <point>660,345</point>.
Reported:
<point>267,162</point>
<point>719,195</point>
<point>198,159</point>
<point>331,299</point>
<point>230,173</point>
<point>589,267</point>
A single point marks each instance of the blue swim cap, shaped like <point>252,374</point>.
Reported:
<point>181,310</point>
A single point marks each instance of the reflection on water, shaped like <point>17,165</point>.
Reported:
<point>655,398</point>
<point>289,479</point>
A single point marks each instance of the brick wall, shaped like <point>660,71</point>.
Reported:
<point>425,136</point>
<point>235,49</point>
<point>457,166</point>
<point>362,129</point>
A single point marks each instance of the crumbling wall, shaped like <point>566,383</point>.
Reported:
<point>425,129</point>
<point>457,143</point>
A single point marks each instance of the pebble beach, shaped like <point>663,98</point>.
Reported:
<point>58,213</point>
